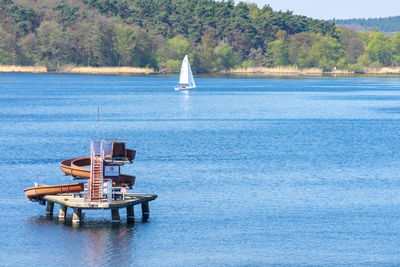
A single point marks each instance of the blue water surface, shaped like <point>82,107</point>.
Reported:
<point>249,171</point>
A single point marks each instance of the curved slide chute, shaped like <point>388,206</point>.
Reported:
<point>35,193</point>
<point>77,167</point>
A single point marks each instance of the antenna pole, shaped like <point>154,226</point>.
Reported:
<point>98,122</point>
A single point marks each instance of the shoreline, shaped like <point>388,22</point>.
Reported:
<point>107,70</point>
<point>78,70</point>
<point>295,71</point>
<point>22,69</point>
<point>276,71</point>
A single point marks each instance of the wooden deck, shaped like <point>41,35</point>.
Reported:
<point>78,203</point>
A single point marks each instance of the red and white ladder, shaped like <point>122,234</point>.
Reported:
<point>96,179</point>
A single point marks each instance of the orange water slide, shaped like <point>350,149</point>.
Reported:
<point>76,168</point>
<point>36,192</point>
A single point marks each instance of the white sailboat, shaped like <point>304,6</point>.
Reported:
<point>186,81</point>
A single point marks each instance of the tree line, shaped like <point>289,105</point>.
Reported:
<point>389,24</point>
<point>217,35</point>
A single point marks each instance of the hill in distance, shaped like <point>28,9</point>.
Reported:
<point>388,25</point>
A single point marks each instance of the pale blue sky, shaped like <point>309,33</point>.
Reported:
<point>329,9</point>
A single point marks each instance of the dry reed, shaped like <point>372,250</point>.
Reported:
<point>108,70</point>
<point>29,69</point>
<point>278,71</point>
<point>384,70</point>
<point>287,70</point>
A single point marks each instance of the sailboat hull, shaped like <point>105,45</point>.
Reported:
<point>187,88</point>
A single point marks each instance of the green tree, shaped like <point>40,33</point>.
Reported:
<point>396,48</point>
<point>206,59</point>
<point>326,52</point>
<point>354,49</point>
<point>177,48</point>
<point>53,44</point>
<point>85,44</point>
<point>108,54</point>
<point>300,45</point>
<point>7,48</point>
<point>67,14</point>
<point>125,44</point>
<point>380,49</point>
<point>19,19</point>
<point>224,56</point>
<point>29,49</point>
<point>280,53</point>
<point>173,65</point>
<point>364,60</point>
<point>280,49</point>
<point>146,48</point>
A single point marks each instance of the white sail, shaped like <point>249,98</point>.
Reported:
<point>186,80</point>
<point>191,80</point>
<point>184,77</point>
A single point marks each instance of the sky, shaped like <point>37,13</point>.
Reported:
<point>339,9</point>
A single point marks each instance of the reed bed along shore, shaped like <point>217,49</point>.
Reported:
<point>287,70</point>
<point>290,70</point>
<point>107,70</point>
<point>278,71</point>
<point>81,70</point>
<point>385,70</point>
<point>27,69</point>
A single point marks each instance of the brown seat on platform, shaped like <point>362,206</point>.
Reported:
<point>118,150</point>
<point>130,154</point>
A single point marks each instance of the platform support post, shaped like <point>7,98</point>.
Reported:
<point>63,212</point>
<point>77,215</point>
<point>145,210</point>
<point>49,208</point>
<point>130,213</point>
<point>115,215</point>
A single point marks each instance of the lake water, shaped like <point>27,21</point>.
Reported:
<point>248,171</point>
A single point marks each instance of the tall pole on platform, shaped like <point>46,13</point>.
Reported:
<point>98,122</point>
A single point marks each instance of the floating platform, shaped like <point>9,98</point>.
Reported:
<point>106,188</point>
<point>78,203</point>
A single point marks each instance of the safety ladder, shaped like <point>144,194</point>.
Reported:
<point>96,179</point>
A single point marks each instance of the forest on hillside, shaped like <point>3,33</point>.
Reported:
<point>389,24</point>
<point>217,35</point>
